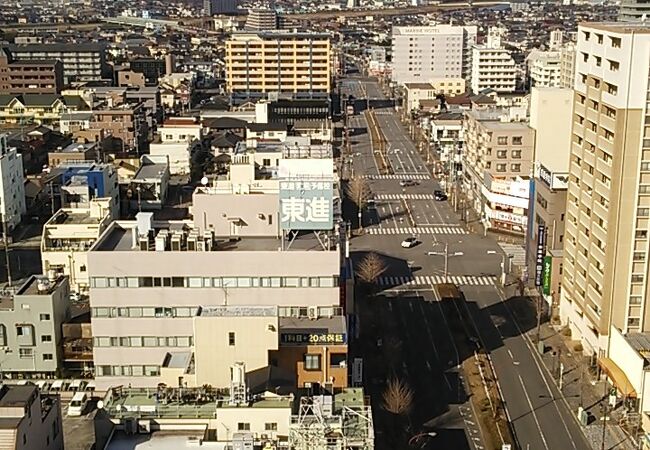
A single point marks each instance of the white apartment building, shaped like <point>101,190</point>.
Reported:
<point>162,293</point>
<point>605,276</point>
<point>493,66</point>
<point>421,54</point>
<point>567,65</point>
<point>12,188</point>
<point>177,139</point>
<point>67,237</point>
<point>544,68</point>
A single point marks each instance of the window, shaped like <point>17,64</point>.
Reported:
<point>643,212</point>
<point>231,338</point>
<point>599,38</point>
<point>25,352</point>
<point>338,359</point>
<point>501,167</point>
<point>516,154</point>
<point>633,322</point>
<point>163,312</point>
<point>517,140</point>
<point>266,162</point>
<point>612,89</point>
<point>47,357</point>
<point>312,362</point>
<point>502,154</point>
<point>637,278</point>
<point>44,316</point>
<point>502,140</point>
<point>515,167</point>
<point>243,426</point>
<point>151,371</point>
<point>271,426</point>
<point>3,335</point>
<point>613,66</point>
<point>615,42</point>
<point>46,338</point>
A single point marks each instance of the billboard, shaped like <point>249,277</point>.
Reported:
<point>539,256</point>
<point>315,338</point>
<point>306,205</point>
<point>546,275</point>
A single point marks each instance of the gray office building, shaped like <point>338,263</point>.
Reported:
<point>30,327</point>
<point>215,7</point>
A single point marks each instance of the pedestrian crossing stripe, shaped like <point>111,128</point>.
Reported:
<point>399,176</point>
<point>424,280</point>
<point>404,197</point>
<point>417,230</point>
<point>517,252</point>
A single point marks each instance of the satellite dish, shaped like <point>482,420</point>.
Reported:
<point>204,181</point>
<point>100,404</point>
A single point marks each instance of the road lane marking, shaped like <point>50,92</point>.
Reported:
<point>414,230</point>
<point>423,280</point>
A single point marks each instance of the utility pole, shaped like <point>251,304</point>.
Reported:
<point>446,261</point>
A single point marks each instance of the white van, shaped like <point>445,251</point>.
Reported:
<point>78,404</point>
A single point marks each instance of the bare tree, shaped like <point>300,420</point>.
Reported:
<point>370,268</point>
<point>398,397</point>
<point>358,191</point>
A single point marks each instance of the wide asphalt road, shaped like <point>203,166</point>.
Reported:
<point>539,417</point>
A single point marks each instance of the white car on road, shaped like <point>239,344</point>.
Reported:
<point>410,242</point>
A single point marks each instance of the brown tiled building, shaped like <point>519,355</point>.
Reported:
<point>29,77</point>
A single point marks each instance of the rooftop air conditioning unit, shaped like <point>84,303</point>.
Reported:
<point>192,243</point>
<point>176,243</point>
<point>144,243</point>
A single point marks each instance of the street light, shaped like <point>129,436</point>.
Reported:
<point>503,264</point>
<point>421,435</point>
<point>446,255</point>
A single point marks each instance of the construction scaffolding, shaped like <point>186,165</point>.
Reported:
<point>340,423</point>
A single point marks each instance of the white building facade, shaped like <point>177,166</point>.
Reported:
<point>421,54</point>
<point>12,188</point>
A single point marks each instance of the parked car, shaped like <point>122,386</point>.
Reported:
<point>408,182</point>
<point>78,404</point>
<point>410,242</point>
<point>439,196</point>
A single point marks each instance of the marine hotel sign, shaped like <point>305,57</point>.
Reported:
<point>315,338</point>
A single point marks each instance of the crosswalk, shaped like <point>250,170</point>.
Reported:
<point>398,176</point>
<point>426,280</point>
<point>417,230</point>
<point>517,252</point>
<point>404,197</point>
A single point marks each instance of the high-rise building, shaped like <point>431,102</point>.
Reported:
<point>424,53</point>
<point>215,7</point>
<point>497,162</point>
<point>280,62</point>
<point>261,19</point>
<point>544,68</point>
<point>633,10</point>
<point>29,77</point>
<point>606,241</point>
<point>493,66</point>
<point>12,189</point>
<point>81,62</point>
<point>550,116</point>
<point>567,65</point>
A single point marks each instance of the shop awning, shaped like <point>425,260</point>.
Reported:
<point>618,377</point>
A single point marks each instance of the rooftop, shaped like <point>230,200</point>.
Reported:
<point>419,85</point>
<point>16,395</point>
<point>39,285</point>
<point>160,440</point>
<point>73,217</point>
<point>619,27</point>
<point>119,237</point>
<point>334,324</point>
<point>150,172</point>
<point>77,148</point>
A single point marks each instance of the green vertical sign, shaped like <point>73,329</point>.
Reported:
<point>546,275</point>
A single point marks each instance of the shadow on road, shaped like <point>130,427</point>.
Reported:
<point>407,336</point>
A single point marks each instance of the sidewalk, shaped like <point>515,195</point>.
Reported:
<point>580,387</point>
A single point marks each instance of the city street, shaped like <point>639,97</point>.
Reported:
<point>405,312</point>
